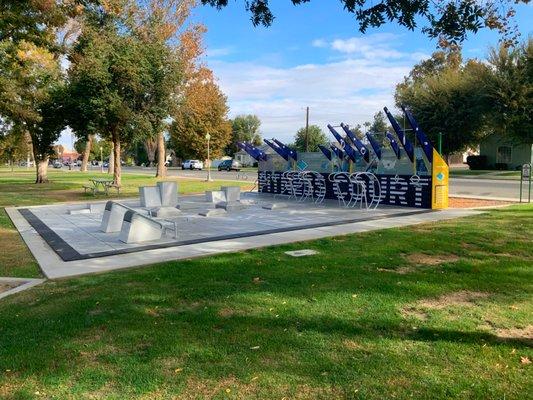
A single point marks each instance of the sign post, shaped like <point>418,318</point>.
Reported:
<point>525,175</point>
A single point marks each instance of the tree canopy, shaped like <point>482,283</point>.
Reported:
<point>509,87</point>
<point>450,20</point>
<point>244,128</point>
<point>448,100</point>
<point>466,101</point>
<point>315,136</point>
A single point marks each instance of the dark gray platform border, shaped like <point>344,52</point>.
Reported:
<point>68,253</point>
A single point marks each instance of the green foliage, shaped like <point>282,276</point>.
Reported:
<point>244,128</point>
<point>13,145</point>
<point>315,137</point>
<point>450,21</point>
<point>36,21</point>
<point>94,154</point>
<point>31,96</point>
<point>107,76</point>
<point>466,101</point>
<point>509,86</point>
<point>447,98</point>
<point>379,123</point>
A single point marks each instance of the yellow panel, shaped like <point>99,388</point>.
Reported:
<point>439,190</point>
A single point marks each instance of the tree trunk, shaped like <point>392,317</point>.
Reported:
<point>151,146</point>
<point>42,170</point>
<point>86,153</point>
<point>117,168</point>
<point>111,163</point>
<point>161,156</point>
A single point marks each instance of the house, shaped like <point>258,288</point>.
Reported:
<point>68,156</point>
<point>246,160</point>
<point>502,153</point>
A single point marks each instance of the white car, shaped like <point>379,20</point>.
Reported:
<point>192,164</point>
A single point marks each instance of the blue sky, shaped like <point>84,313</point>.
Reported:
<point>313,55</point>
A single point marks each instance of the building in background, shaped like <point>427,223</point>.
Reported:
<point>501,153</point>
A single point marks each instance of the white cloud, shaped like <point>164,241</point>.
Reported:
<point>219,52</point>
<point>349,91</point>
<point>378,46</point>
<point>357,84</point>
<point>319,43</point>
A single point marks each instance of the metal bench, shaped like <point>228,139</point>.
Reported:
<point>91,188</point>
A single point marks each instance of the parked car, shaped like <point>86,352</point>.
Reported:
<point>57,164</point>
<point>229,165</point>
<point>192,164</point>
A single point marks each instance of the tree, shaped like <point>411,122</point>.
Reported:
<point>204,110</point>
<point>244,128</point>
<point>45,131</point>
<point>108,75</point>
<point>450,20</point>
<point>379,123</point>
<point>31,88</point>
<point>509,84</point>
<point>156,25</point>
<point>13,144</point>
<point>203,107</point>
<point>36,21</point>
<point>315,137</point>
<point>451,101</point>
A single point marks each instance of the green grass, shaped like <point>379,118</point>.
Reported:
<point>18,189</point>
<point>484,174</point>
<point>351,322</point>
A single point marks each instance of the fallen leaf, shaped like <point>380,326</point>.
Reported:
<point>254,348</point>
<point>177,370</point>
<point>525,360</point>
<point>354,296</point>
<point>255,378</point>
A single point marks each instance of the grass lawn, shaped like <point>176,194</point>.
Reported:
<point>17,189</point>
<point>440,310</point>
<point>484,174</point>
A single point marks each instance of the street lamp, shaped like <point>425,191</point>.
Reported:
<point>101,160</point>
<point>208,138</point>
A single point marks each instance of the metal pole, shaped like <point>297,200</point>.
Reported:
<point>307,129</point>
<point>521,179</point>
<point>440,143</point>
<point>101,160</point>
<point>529,192</point>
<point>208,160</point>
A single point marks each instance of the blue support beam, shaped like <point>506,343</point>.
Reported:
<point>406,144</point>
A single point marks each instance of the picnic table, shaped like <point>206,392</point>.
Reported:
<point>99,185</point>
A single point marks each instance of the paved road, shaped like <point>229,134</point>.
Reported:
<point>227,175</point>
<point>505,189</point>
<point>490,188</point>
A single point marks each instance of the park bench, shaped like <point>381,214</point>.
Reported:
<point>113,186</point>
<point>90,188</point>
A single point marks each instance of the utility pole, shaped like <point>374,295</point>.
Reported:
<point>306,129</point>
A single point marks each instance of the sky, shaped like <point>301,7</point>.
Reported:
<point>314,56</point>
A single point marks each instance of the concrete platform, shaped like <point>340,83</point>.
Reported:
<point>66,244</point>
